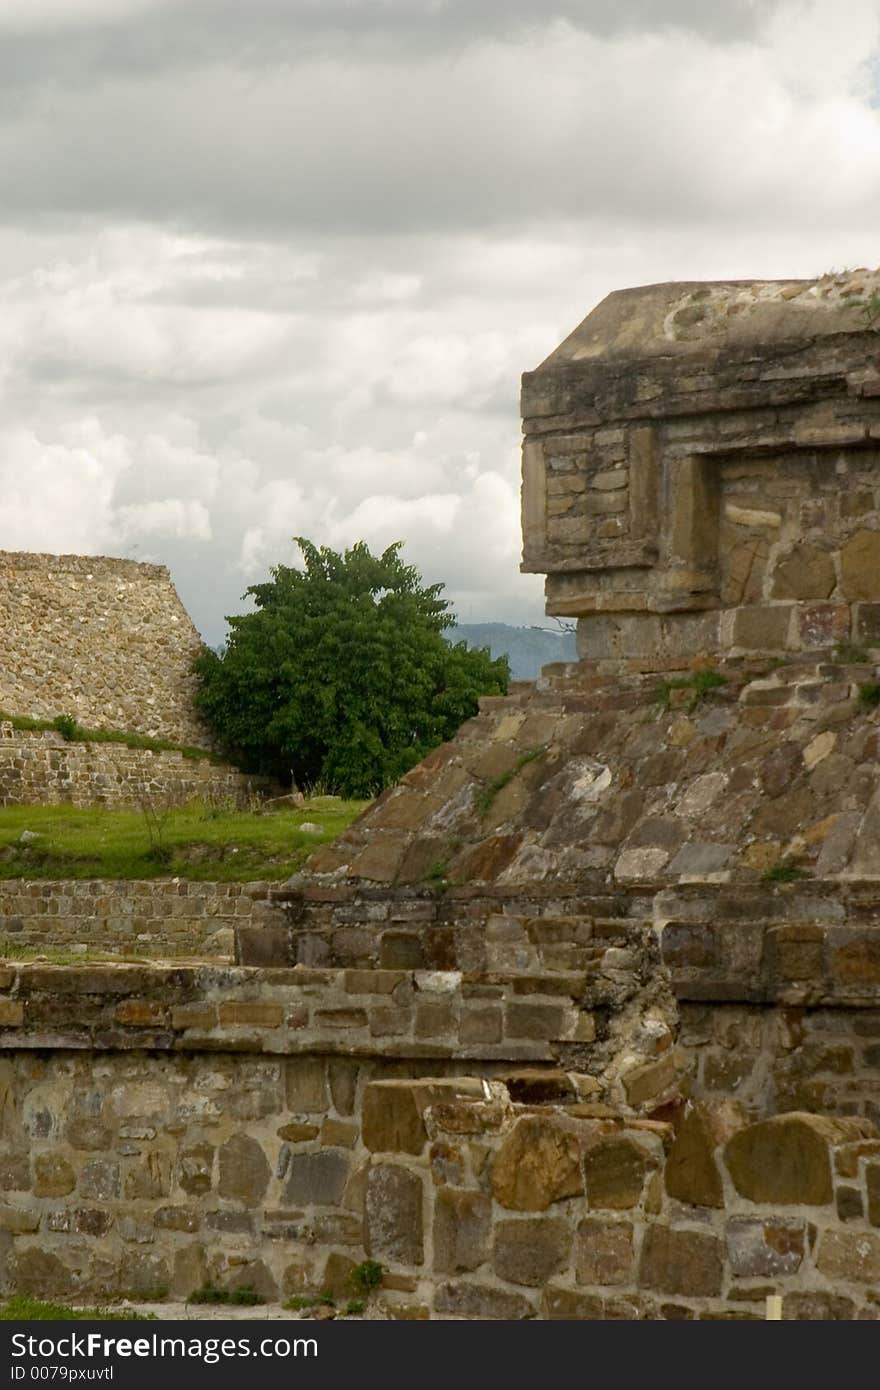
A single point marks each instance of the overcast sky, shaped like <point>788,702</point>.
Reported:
<point>274,267</point>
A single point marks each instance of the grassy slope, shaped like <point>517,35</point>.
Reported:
<point>195,843</point>
<point>24,1309</point>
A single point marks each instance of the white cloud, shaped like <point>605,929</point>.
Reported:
<point>172,517</point>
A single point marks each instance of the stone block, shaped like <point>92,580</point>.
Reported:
<point>531,1250</point>
<point>692,1172</point>
<point>784,1161</point>
<point>817,1307</point>
<point>195,1166</point>
<point>537,1163</point>
<point>461,1230</point>
<point>400,950</point>
<point>860,567</point>
<point>54,1176</point>
<point>480,1301</point>
<point>538,1021</point>
<point>652,1082</point>
<point>480,1025</point>
<point>615,1168</point>
<point>317,1179</point>
<point>764,1248</point>
<point>762,628</point>
<point>872,1186</point>
<point>244,1171</point>
<point>603,1252</point>
<point>250,1013</point>
<point>822,624</point>
<point>342,1075</point>
<point>867,624</point>
<point>568,1305</point>
<point>306,1080</point>
<point>392,1119</point>
<point>683,1262</point>
<point>393,1215</point>
<point>336,1279</point>
<point>99,1180</point>
<point>805,572</point>
<point>850,1256</point>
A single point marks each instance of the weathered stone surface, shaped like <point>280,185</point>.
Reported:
<point>615,1169</point>
<point>817,1307</point>
<point>307,1085</point>
<point>393,1215</point>
<point>336,1279</point>
<point>872,1185</point>
<point>783,1161</point>
<point>195,1168</point>
<point>850,1255</point>
<point>244,1170</point>
<point>860,566</point>
<point>466,1300</point>
<point>317,1178</point>
<point>805,572</point>
<point>54,1176</point>
<point>764,1248</point>
<point>392,1121</point>
<point>692,1173</point>
<point>563,1304</point>
<point>461,1230</point>
<point>99,1180</point>
<point>538,1163</point>
<point>530,1251</point>
<point>604,1252</point>
<point>650,1081</point>
<point>684,1262</point>
<point>40,1273</point>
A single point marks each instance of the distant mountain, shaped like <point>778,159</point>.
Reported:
<point>527,648</point>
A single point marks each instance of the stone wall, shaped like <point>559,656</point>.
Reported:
<point>153,917</point>
<point>106,641</point>
<point>165,1127</point>
<point>699,469</point>
<point>42,768</point>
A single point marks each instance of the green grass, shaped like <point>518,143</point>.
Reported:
<point>197,842</point>
<point>786,872</point>
<point>366,1277</point>
<point>699,684</point>
<point>851,654</point>
<point>869,695</point>
<point>299,1301</point>
<point>22,1309</point>
<point>484,799</point>
<point>244,1297</point>
<point>73,732</point>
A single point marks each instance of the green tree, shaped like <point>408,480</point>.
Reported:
<point>342,675</point>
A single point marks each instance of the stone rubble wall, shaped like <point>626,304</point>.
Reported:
<point>481,1193</point>
<point>150,917</point>
<point>106,641</point>
<point>608,779</point>
<point>42,769</point>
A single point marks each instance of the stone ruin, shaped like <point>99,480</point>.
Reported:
<point>582,1018</point>
<point>108,643</point>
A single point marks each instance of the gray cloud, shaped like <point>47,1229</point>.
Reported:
<point>73,41</point>
<point>272,269</point>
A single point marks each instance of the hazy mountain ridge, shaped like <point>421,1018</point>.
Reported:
<point>527,648</point>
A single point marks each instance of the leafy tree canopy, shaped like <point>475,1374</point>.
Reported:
<point>341,676</point>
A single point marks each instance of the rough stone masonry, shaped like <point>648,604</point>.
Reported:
<point>582,1018</point>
